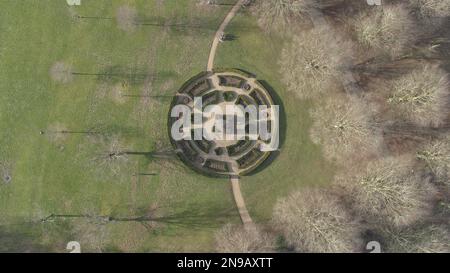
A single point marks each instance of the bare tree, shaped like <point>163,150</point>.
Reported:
<point>117,92</point>
<point>61,72</point>
<point>314,220</point>
<point>210,3</point>
<point>232,239</point>
<point>5,171</point>
<point>436,155</point>
<point>92,234</point>
<point>417,239</point>
<point>126,18</point>
<point>311,64</point>
<point>389,191</point>
<point>432,11</point>
<point>111,155</point>
<point>57,133</point>
<point>388,29</point>
<point>420,96</point>
<point>282,12</point>
<point>344,127</point>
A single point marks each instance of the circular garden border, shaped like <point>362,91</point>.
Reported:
<point>210,158</point>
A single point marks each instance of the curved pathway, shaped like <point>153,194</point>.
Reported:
<point>223,26</point>
<point>236,188</point>
<point>240,203</point>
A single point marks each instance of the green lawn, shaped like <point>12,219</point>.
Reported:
<point>60,177</point>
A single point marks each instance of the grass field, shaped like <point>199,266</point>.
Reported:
<point>58,176</point>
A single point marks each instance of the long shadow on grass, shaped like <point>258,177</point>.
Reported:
<point>133,76</point>
<point>21,241</point>
<point>201,24</point>
<point>99,130</point>
<point>193,217</point>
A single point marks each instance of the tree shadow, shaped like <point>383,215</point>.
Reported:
<point>133,76</point>
<point>199,25</point>
<point>230,37</point>
<point>94,17</point>
<point>98,130</point>
<point>20,241</point>
<point>159,97</point>
<point>169,154</point>
<point>174,23</point>
<point>193,216</point>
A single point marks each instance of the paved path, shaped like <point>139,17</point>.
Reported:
<point>238,198</point>
<point>215,44</point>
<point>240,203</point>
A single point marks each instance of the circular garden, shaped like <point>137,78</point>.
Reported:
<point>231,155</point>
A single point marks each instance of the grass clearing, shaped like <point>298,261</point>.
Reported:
<point>56,177</point>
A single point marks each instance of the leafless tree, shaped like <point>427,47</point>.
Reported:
<point>232,239</point>
<point>311,64</point>
<point>126,18</point>
<point>436,155</point>
<point>282,12</point>
<point>420,96</point>
<point>91,234</point>
<point>432,8</point>
<point>5,171</point>
<point>417,239</point>
<point>117,92</point>
<point>111,155</point>
<point>388,29</point>
<point>57,133</point>
<point>61,72</point>
<point>389,191</point>
<point>344,127</point>
<point>314,220</point>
